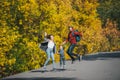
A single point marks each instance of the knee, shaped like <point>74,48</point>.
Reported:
<point>53,61</point>
<point>68,52</point>
<point>48,59</point>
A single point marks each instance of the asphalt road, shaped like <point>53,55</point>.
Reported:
<point>93,69</point>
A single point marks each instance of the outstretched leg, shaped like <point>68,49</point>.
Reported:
<point>48,58</point>
<point>70,49</point>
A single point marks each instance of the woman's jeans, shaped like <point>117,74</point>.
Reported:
<point>70,51</point>
<point>50,54</point>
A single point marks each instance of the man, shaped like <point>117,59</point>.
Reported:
<point>73,42</point>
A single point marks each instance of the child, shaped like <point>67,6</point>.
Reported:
<point>62,57</point>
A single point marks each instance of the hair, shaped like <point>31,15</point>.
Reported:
<point>49,36</point>
<point>62,46</point>
<point>70,27</point>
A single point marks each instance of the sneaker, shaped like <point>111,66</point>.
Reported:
<point>44,68</point>
<point>54,69</point>
<point>61,67</point>
<point>64,66</point>
<point>78,57</point>
<point>73,61</point>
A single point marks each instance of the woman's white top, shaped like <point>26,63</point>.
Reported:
<point>51,44</point>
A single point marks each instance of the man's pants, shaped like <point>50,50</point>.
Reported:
<point>70,51</point>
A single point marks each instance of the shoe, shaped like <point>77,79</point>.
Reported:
<point>44,68</point>
<point>61,67</point>
<point>64,66</point>
<point>54,69</point>
<point>73,61</point>
<point>78,57</point>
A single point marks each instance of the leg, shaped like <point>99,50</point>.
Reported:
<point>69,51</point>
<point>60,61</point>
<point>63,59</point>
<point>73,54</point>
<point>73,46</point>
<point>53,60</point>
<point>48,57</point>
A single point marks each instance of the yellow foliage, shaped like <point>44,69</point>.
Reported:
<point>22,21</point>
<point>11,61</point>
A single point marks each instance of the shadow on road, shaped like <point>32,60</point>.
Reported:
<point>57,70</point>
<point>101,56</point>
<point>94,59</point>
<point>51,78</point>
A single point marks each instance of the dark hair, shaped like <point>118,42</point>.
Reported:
<point>70,26</point>
<point>49,36</point>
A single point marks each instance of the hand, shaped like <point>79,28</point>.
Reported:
<point>63,42</point>
<point>39,45</point>
<point>45,34</point>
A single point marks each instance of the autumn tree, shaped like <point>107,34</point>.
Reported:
<point>23,23</point>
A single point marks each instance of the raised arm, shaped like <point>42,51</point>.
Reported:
<point>77,33</point>
<point>45,37</point>
<point>64,42</point>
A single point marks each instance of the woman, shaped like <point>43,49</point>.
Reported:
<point>50,51</point>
